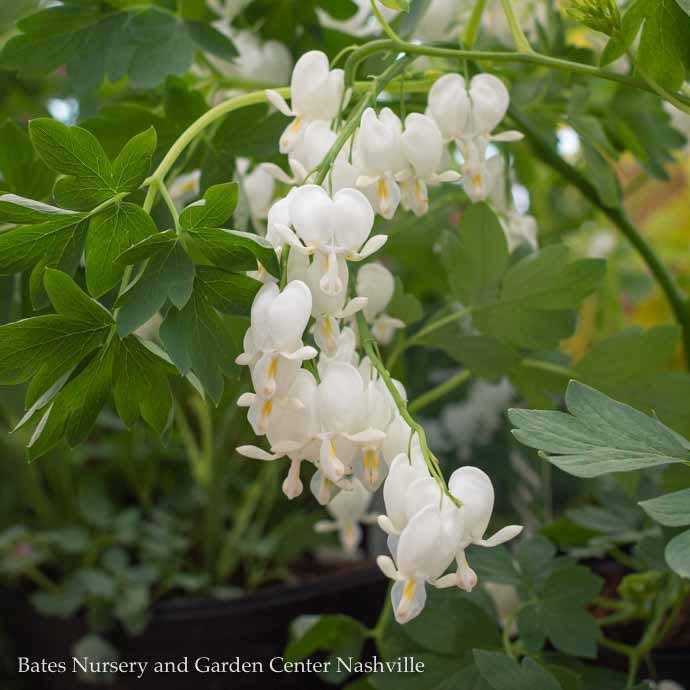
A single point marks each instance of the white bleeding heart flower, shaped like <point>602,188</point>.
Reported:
<point>519,228</point>
<point>361,23</point>
<point>376,284</point>
<point>316,94</point>
<point>469,116</point>
<point>307,154</point>
<point>255,59</point>
<point>378,155</point>
<point>466,113</point>
<point>399,439</point>
<point>404,471</point>
<point>273,344</point>
<point>439,21</point>
<point>346,351</point>
<point>258,187</point>
<point>349,510</point>
<point>185,188</point>
<point>473,488</point>
<point>291,431</point>
<point>422,145</point>
<point>424,551</point>
<point>376,414</point>
<point>338,229</point>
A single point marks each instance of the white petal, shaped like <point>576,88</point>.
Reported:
<point>371,247</point>
<point>510,135</point>
<point>502,536</point>
<point>409,598</point>
<point>474,489</point>
<point>289,314</point>
<point>311,212</point>
<point>278,102</point>
<point>490,100</point>
<point>376,283</point>
<point>385,563</point>
<point>353,218</point>
<point>422,144</point>
<point>256,453</point>
<point>277,173</point>
<point>449,105</point>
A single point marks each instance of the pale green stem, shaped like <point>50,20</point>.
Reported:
<point>439,391</point>
<point>521,42</point>
<point>472,28</point>
<point>423,332</point>
<point>369,346</point>
<point>387,28</point>
<point>384,45</point>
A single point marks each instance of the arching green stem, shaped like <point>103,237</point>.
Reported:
<point>532,58</point>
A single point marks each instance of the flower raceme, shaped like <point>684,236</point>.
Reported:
<point>337,413</point>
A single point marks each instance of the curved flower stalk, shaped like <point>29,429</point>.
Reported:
<point>255,58</point>
<point>317,92</point>
<point>468,114</point>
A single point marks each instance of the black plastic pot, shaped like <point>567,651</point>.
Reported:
<point>253,629</point>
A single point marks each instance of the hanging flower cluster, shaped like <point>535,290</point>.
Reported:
<point>316,399</point>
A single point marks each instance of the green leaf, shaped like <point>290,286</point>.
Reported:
<point>230,293</point>
<point>600,435</point>
<point>663,53</point>
<point>22,171</point>
<point>41,345</point>
<point>140,384</point>
<point>495,565</point>
<point>71,301</point>
<point>211,40</point>
<point>339,634</point>
<point>18,210</point>
<point>111,233</point>
<point>198,340</point>
<point>73,411</point>
<point>71,151</point>
<point>233,249</point>
<point>452,625</point>
<point>12,11</point>
<point>213,210</point>
<point>538,294</point>
<point>678,554</point>
<point>403,5</point>
<point>132,164</point>
<point>621,360</point>
<point>439,673</point>
<point>23,247</point>
<point>147,247</point>
<point>169,275</point>
<point>561,614</point>
<point>672,510</point>
<point>502,673</point>
<point>477,257</point>
<point>250,132</point>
